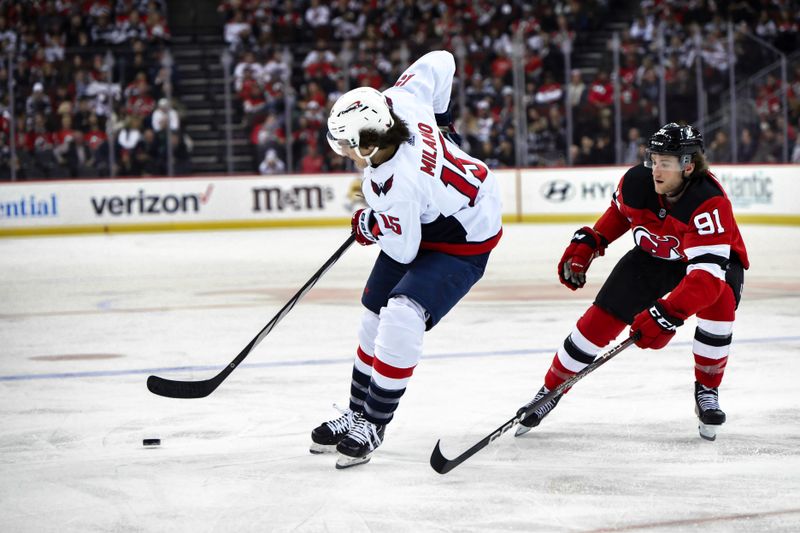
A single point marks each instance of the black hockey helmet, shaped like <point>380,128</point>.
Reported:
<point>677,140</point>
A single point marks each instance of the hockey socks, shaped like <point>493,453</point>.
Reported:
<point>712,343</point>
<point>595,329</point>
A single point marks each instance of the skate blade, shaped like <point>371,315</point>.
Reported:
<point>317,449</point>
<point>708,431</point>
<point>521,430</point>
<point>345,461</point>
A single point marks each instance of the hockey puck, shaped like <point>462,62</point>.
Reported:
<point>151,442</point>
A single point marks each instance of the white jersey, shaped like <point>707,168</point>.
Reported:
<point>431,195</point>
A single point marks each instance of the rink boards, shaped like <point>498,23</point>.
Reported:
<point>759,193</point>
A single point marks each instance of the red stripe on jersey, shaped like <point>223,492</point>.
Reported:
<point>467,248</point>
<point>365,358</point>
<point>392,372</point>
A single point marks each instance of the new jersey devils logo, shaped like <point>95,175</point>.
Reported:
<point>665,247</point>
<point>383,189</point>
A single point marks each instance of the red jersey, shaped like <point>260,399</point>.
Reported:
<point>699,230</point>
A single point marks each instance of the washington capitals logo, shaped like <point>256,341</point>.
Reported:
<point>383,189</point>
<point>352,107</point>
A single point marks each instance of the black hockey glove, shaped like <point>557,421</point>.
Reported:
<point>445,123</point>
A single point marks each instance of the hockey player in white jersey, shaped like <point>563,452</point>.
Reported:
<point>435,213</point>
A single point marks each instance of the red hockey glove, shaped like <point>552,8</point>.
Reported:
<point>365,227</point>
<point>657,325</point>
<point>585,245</point>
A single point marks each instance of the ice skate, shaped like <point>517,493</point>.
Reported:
<point>710,416</point>
<point>359,443</point>
<point>535,418</point>
<point>327,435</point>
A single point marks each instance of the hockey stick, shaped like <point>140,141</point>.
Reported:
<point>443,465</point>
<point>200,389</point>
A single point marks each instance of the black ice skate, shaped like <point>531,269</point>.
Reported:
<point>357,447</point>
<point>535,418</point>
<point>708,412</point>
<point>327,435</point>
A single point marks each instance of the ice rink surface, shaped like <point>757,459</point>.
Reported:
<point>86,319</point>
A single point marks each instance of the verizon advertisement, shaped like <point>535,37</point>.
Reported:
<point>181,202</point>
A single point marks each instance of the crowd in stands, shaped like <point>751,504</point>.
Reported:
<point>95,94</point>
<point>92,81</point>
<point>305,54</point>
<point>700,29</point>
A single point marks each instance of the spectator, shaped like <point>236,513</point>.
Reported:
<point>747,146</point>
<point>642,29</point>
<point>585,153</point>
<point>312,162</point>
<point>603,153</point>
<point>38,103</point>
<point>629,101</point>
<point>127,164</point>
<point>247,66</point>
<point>505,153</point>
<point>550,92</point>
<point>769,145</point>
<point>649,87</point>
<point>272,164</point>
<point>130,27</point>
<point>181,153</point>
<point>80,158</point>
<point>318,18</point>
<point>237,30</point>
<point>95,132</point>
<point>320,62</point>
<point>139,102</point>
<point>105,33</point>
<point>157,29</point>
<point>129,137</point>
<point>275,68</point>
<point>601,92</point>
<point>719,149</point>
<point>64,135</point>
<point>631,149</point>
<point>576,92</point>
<point>147,154</point>
<point>165,116</point>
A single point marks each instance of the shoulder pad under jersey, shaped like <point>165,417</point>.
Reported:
<point>638,191</point>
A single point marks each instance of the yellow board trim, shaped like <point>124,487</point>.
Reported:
<point>783,220</point>
<point>174,226</point>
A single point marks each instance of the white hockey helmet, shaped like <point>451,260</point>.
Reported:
<point>355,111</point>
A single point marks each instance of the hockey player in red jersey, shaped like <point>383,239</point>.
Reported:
<point>688,259</point>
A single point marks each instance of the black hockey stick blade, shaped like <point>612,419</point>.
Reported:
<point>171,388</point>
<point>443,465</point>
